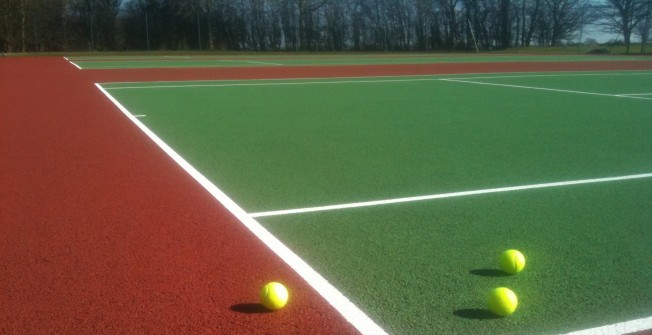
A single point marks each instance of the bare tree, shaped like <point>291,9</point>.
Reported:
<point>622,16</point>
<point>644,26</point>
<point>530,11</point>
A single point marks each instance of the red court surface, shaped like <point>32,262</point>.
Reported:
<point>102,233</point>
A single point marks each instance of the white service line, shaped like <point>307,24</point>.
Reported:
<point>279,83</point>
<point>544,89</point>
<point>446,195</point>
<point>620,328</point>
<point>431,77</point>
<point>342,304</point>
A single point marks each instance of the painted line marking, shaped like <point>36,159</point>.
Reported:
<point>634,94</point>
<point>140,115</point>
<point>245,61</point>
<point>627,327</point>
<point>445,195</point>
<point>561,74</point>
<point>544,89</point>
<point>278,84</point>
<point>343,305</point>
<point>263,63</point>
<point>434,76</point>
<point>73,63</point>
<point>391,79</point>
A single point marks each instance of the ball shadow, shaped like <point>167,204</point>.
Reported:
<point>476,313</point>
<point>489,273</point>
<point>251,308</point>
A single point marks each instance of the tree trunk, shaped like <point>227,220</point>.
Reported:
<point>22,24</point>
<point>211,45</point>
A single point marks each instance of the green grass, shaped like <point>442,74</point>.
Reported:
<point>426,267</point>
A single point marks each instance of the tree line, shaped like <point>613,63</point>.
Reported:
<point>311,25</point>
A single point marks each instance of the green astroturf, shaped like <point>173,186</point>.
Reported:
<point>113,62</point>
<point>426,267</point>
<point>277,146</point>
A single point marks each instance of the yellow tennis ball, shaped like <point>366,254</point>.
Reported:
<point>502,301</point>
<point>274,296</point>
<point>512,261</point>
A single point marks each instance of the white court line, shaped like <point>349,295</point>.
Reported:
<point>374,80</point>
<point>245,61</point>
<point>446,195</point>
<point>73,63</point>
<point>279,83</point>
<point>544,89</point>
<point>261,63</point>
<point>431,76</point>
<point>333,296</point>
<point>561,74</point>
<point>634,94</point>
<point>627,327</point>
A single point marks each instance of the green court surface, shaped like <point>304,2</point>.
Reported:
<point>426,266</point>
<point>181,61</point>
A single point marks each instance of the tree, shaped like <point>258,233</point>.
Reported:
<point>530,11</point>
<point>562,18</point>
<point>451,27</point>
<point>644,26</point>
<point>622,17</point>
<point>43,25</point>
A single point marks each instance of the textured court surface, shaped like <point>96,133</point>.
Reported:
<point>102,232</point>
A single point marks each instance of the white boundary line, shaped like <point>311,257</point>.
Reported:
<point>73,63</point>
<point>343,305</point>
<point>264,63</point>
<point>545,89</point>
<point>446,195</point>
<point>497,75</point>
<point>246,61</point>
<point>564,74</point>
<point>279,83</point>
<point>627,327</point>
<point>360,80</point>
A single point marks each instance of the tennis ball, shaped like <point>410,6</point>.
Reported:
<point>502,301</point>
<point>512,261</point>
<point>273,296</point>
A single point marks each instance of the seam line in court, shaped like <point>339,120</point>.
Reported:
<point>445,195</point>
